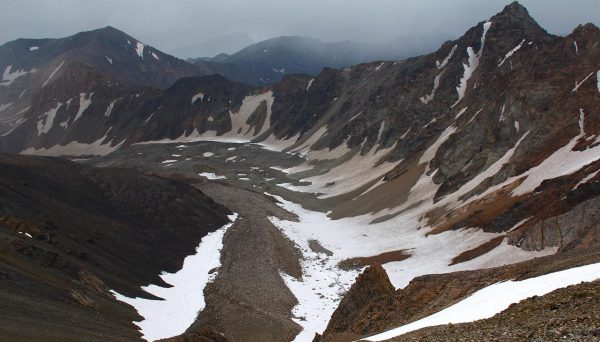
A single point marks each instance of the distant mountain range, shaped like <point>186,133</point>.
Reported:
<point>268,61</point>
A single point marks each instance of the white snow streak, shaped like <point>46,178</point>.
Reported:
<point>53,73</point>
<point>494,299</point>
<point>447,59</point>
<point>310,82</point>
<point>578,84</point>
<point>109,108</point>
<point>472,64</point>
<point>511,52</point>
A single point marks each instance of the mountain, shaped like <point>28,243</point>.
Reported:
<point>229,43</point>
<point>269,61</point>
<point>455,171</point>
<point>31,66</point>
<point>83,237</point>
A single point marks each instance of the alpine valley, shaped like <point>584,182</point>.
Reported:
<point>451,196</point>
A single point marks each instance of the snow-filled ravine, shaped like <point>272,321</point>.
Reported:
<point>323,283</point>
<point>182,302</point>
<point>495,298</point>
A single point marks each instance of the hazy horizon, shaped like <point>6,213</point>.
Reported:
<point>183,23</point>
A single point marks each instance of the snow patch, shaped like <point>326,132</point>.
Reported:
<point>84,103</point>
<point>310,82</point>
<point>211,176</point>
<point>198,96</point>
<point>181,302</point>
<point>33,48</point>
<point>472,64</point>
<point>9,77</point>
<point>139,49</point>
<point>496,298</point>
<point>74,148</point>
<point>109,59</point>
<point>155,56</point>
<point>207,154</point>
<point>46,122</point>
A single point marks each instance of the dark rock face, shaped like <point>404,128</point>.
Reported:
<point>371,285</point>
<point>70,233</point>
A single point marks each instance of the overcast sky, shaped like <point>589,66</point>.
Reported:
<point>169,24</point>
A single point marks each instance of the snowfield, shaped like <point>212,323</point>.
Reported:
<point>493,299</point>
<point>182,302</point>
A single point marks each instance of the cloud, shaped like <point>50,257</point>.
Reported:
<point>168,25</point>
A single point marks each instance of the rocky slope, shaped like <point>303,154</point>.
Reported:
<point>30,66</point>
<point>70,233</point>
<point>480,112</point>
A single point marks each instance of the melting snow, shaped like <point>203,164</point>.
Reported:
<point>198,96</point>
<point>84,103</point>
<point>511,52</point>
<point>182,302</point>
<point>47,121</point>
<point>169,161</point>
<point>462,111</point>
<point>211,176</point>
<point>436,83</point>
<point>281,71</point>
<point>578,84</point>
<point>155,56</point>
<point>502,117</point>
<point>576,48</point>
<point>9,77</point>
<point>310,82</point>
<point>495,298</point>
<point>33,48</point>
<point>472,64</point>
<point>447,59</point>
<point>109,108</point>
<point>109,59</point>
<point>207,154</point>
<point>53,73</point>
<point>139,48</point>
<point>97,148</point>
<point>379,66</point>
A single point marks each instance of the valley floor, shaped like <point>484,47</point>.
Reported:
<point>282,273</point>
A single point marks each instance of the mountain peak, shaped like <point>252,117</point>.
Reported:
<point>515,21</point>
<point>515,8</point>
